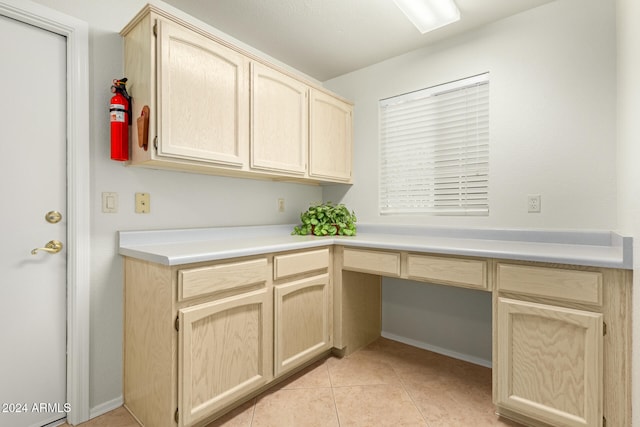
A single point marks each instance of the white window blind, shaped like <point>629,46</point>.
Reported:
<point>434,150</point>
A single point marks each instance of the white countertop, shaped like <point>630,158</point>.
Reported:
<point>178,247</point>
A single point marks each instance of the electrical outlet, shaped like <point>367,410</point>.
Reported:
<point>280,205</point>
<point>533,203</point>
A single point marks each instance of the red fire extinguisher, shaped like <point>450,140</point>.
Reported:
<point>120,113</point>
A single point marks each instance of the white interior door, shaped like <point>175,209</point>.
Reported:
<point>32,183</point>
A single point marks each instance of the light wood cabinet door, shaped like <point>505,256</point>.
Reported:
<point>302,321</point>
<point>279,121</point>
<point>203,98</point>
<point>549,362</point>
<point>225,353</point>
<point>330,137</point>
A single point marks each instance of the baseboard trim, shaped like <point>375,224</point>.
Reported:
<point>105,407</point>
<point>446,352</point>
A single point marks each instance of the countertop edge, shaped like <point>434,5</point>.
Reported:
<point>173,247</point>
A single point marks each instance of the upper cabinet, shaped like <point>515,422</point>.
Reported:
<point>279,121</point>
<point>202,98</point>
<point>217,109</point>
<point>330,137</point>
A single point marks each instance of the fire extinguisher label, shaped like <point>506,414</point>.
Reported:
<point>117,112</point>
<point>117,116</point>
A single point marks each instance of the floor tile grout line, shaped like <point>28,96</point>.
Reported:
<point>253,410</point>
<point>333,395</point>
<point>361,385</point>
<point>335,405</point>
<point>404,387</point>
<point>303,388</point>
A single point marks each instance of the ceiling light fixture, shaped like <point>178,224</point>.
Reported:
<point>428,15</point>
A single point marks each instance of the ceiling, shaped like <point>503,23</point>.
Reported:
<point>328,38</point>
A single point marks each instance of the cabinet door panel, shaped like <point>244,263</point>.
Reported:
<point>549,362</point>
<point>279,121</point>
<point>223,353</point>
<point>301,322</point>
<point>330,137</point>
<point>202,98</point>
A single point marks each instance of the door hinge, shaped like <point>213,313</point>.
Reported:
<point>604,422</point>
<point>604,329</point>
<point>155,29</point>
<point>176,324</point>
<point>176,416</point>
<point>155,142</point>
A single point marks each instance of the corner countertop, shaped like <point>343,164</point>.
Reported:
<point>186,246</point>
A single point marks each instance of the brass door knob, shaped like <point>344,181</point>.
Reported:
<point>53,217</point>
<point>53,247</point>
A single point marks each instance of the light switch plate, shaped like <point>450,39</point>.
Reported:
<point>143,203</point>
<point>109,202</point>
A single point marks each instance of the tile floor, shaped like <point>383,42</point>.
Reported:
<point>385,384</point>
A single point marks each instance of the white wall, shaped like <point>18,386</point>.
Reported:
<point>552,72</point>
<point>451,312</point>
<point>178,200</point>
<point>553,132</point>
<point>628,158</point>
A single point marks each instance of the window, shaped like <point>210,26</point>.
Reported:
<point>434,150</point>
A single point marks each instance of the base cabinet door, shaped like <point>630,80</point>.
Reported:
<point>301,321</point>
<point>224,353</point>
<point>549,361</point>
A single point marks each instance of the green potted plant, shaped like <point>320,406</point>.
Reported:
<point>327,219</point>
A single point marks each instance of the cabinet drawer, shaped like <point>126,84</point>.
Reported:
<point>200,281</point>
<point>454,271</point>
<point>377,262</point>
<point>298,263</point>
<point>556,283</point>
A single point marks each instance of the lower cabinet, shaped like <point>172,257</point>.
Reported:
<point>550,363</point>
<point>200,338</point>
<point>561,344</point>
<point>302,320</point>
<point>223,353</point>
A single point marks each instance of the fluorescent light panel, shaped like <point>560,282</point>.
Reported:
<point>427,15</point>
